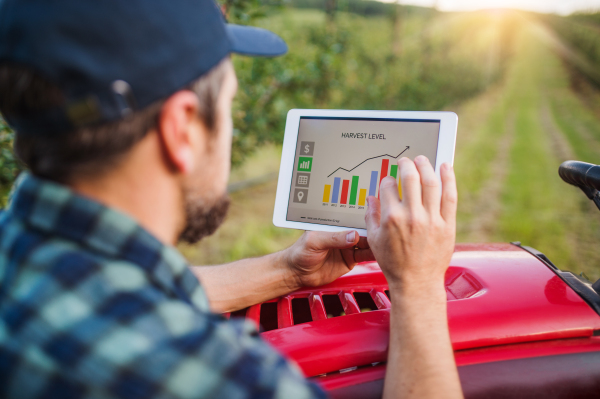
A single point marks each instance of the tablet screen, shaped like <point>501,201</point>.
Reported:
<point>340,161</point>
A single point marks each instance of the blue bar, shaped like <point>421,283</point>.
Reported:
<point>373,184</point>
<point>336,190</point>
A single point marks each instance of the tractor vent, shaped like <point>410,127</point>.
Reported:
<point>364,301</point>
<point>268,316</point>
<point>301,310</point>
<point>333,306</point>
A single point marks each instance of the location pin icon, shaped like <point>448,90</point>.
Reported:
<point>300,195</point>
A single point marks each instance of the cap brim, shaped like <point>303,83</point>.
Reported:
<point>257,42</point>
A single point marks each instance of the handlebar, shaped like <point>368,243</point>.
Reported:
<point>584,175</point>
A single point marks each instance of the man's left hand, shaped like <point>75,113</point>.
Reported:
<point>318,258</point>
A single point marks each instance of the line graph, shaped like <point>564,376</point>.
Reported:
<point>368,159</point>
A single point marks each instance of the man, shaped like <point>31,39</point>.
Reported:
<point>122,113</point>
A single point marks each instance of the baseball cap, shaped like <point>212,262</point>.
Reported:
<point>112,57</point>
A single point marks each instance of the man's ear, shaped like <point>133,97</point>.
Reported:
<point>178,130</point>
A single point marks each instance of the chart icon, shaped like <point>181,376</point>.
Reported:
<point>304,164</point>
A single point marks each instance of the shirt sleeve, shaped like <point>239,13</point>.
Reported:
<point>176,351</point>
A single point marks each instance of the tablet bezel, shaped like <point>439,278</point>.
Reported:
<point>445,153</point>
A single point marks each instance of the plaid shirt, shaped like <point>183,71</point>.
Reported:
<point>93,306</point>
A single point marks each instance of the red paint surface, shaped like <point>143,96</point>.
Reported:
<point>472,356</point>
<point>344,198</point>
<point>499,296</point>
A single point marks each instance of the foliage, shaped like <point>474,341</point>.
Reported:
<point>579,32</point>
<point>362,7</point>
<point>350,64</point>
<point>9,167</point>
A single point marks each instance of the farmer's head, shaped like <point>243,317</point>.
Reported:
<point>95,89</point>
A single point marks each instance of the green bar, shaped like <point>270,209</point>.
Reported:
<point>353,190</point>
<point>394,171</point>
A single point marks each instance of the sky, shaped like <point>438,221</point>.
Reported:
<point>548,6</point>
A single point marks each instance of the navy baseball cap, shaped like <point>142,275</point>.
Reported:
<point>111,57</point>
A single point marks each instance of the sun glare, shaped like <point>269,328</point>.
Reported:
<point>545,6</point>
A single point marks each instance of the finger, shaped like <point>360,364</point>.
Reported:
<point>339,240</point>
<point>429,184</point>
<point>362,243</point>
<point>449,193</point>
<point>363,255</point>
<point>373,214</point>
<point>411,183</point>
<point>388,192</point>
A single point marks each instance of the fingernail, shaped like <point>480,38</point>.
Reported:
<point>419,159</point>
<point>350,236</point>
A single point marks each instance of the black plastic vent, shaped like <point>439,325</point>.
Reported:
<point>365,302</point>
<point>268,316</point>
<point>301,310</point>
<point>333,306</point>
<point>239,313</point>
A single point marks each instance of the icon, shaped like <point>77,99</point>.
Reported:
<point>304,164</point>
<point>300,195</point>
<point>302,179</point>
<point>307,147</point>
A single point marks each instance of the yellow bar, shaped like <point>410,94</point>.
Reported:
<point>326,193</point>
<point>362,197</point>
<point>400,188</point>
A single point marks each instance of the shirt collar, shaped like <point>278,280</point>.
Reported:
<point>58,211</point>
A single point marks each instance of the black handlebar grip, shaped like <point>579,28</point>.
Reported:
<point>580,174</point>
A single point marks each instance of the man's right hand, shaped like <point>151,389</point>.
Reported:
<point>413,238</point>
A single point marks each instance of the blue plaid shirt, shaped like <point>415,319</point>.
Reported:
<point>93,306</point>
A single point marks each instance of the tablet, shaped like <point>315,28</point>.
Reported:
<point>333,159</point>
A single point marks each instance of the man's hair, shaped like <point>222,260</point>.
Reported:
<point>89,151</point>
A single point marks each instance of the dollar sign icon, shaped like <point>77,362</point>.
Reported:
<point>306,149</point>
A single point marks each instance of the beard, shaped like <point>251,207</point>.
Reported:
<point>202,217</point>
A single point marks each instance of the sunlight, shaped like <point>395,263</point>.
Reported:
<point>545,6</point>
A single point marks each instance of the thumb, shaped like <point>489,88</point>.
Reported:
<point>373,215</point>
<point>339,240</point>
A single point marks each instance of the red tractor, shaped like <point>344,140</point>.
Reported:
<point>520,327</point>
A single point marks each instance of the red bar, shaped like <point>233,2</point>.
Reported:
<point>344,199</point>
<point>385,164</point>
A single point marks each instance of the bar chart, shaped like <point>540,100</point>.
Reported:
<point>348,192</point>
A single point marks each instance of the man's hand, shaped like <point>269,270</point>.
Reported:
<point>413,241</point>
<point>413,238</point>
<point>318,258</point>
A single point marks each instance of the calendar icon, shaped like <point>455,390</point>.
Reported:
<point>302,179</point>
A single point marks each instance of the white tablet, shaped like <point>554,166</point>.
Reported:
<point>333,159</point>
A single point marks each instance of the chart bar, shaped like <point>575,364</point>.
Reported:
<point>344,198</point>
<point>326,192</point>
<point>373,184</point>
<point>400,188</point>
<point>385,164</point>
<point>336,190</point>
<point>353,190</point>
<point>394,171</point>
<point>362,197</point>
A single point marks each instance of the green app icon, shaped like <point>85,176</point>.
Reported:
<point>304,164</point>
